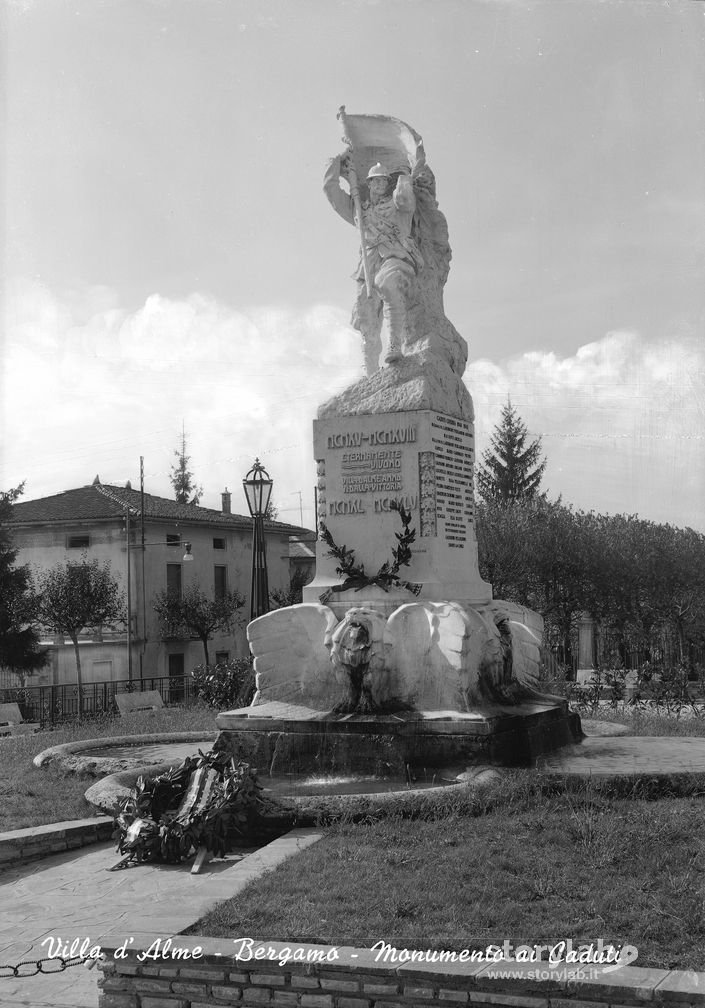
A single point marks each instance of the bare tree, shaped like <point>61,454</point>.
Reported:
<point>193,614</point>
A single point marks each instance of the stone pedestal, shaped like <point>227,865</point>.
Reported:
<point>424,460</point>
<point>426,670</point>
<point>289,739</point>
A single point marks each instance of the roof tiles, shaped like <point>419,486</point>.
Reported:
<point>103,501</point>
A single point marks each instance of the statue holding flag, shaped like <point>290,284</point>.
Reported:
<point>405,256</point>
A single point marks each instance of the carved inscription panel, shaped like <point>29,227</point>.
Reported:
<point>453,448</point>
<point>424,460</point>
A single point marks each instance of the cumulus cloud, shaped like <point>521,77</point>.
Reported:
<point>622,421</point>
<point>88,387</point>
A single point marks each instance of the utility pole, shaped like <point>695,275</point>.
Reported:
<point>129,595</point>
<point>144,593</point>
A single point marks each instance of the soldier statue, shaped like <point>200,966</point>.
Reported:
<point>393,257</point>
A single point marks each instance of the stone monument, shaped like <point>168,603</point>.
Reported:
<point>398,654</point>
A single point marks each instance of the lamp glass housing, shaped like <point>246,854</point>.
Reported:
<point>258,489</point>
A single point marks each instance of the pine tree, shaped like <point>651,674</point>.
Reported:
<point>19,637</point>
<point>181,477</point>
<point>512,467</point>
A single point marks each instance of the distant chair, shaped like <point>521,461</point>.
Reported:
<point>129,703</point>
<point>11,722</point>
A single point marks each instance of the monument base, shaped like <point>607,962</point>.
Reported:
<point>281,738</point>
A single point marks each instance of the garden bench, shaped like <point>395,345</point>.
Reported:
<point>11,722</point>
<point>128,703</point>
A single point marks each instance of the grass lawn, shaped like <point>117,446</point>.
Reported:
<point>529,860</point>
<point>32,797</point>
<point>536,868</point>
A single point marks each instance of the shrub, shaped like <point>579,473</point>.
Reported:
<point>226,684</point>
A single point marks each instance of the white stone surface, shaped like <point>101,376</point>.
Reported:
<point>419,381</point>
<point>424,655</point>
<point>405,249</point>
<point>427,649</point>
<point>526,654</point>
<point>422,458</point>
<point>292,661</point>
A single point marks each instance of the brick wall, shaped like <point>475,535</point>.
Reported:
<point>358,979</point>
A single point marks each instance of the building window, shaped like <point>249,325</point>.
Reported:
<point>173,540</point>
<point>219,544</point>
<point>221,582</point>
<point>222,657</point>
<point>78,542</point>
<point>173,579</point>
<point>176,678</point>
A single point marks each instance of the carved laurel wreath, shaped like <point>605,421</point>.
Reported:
<point>388,574</point>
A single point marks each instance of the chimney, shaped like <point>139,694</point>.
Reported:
<point>225,497</point>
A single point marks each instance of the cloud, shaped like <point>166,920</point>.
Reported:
<point>622,421</point>
<point>88,388</point>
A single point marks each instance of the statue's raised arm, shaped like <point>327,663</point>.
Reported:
<point>382,184</point>
<point>339,198</point>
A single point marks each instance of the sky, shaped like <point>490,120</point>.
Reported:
<point>170,262</point>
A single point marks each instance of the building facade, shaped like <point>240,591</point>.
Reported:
<point>152,544</point>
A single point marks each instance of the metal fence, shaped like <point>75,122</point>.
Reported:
<point>51,705</point>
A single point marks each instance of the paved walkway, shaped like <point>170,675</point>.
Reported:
<point>71,895</point>
<point>611,756</point>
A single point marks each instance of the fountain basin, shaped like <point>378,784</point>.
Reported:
<point>298,797</point>
<point>101,756</point>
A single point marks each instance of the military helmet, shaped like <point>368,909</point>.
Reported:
<point>377,171</point>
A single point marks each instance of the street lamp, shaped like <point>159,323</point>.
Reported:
<point>258,489</point>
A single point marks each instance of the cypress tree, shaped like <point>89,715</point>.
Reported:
<point>181,477</point>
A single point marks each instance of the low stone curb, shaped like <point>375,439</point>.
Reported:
<point>39,841</point>
<point>308,809</point>
<point>68,755</point>
<point>196,972</point>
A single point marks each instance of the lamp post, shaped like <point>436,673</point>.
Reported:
<point>258,489</point>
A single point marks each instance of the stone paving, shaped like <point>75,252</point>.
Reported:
<point>625,756</point>
<point>72,895</point>
<point>603,728</point>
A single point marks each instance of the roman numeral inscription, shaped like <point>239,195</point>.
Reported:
<point>424,460</point>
